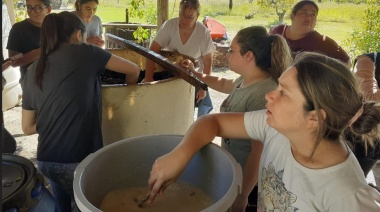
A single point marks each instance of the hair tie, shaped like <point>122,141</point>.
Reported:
<point>271,38</point>
<point>356,116</point>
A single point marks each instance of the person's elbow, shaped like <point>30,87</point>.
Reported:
<point>28,122</point>
<point>133,76</point>
<point>29,130</point>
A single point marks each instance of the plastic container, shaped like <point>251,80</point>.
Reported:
<point>160,107</point>
<point>22,187</point>
<point>127,163</point>
<point>12,93</point>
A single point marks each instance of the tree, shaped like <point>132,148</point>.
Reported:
<point>366,38</point>
<point>281,7</point>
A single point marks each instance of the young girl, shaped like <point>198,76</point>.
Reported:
<point>305,165</point>
<point>85,10</point>
<point>62,100</point>
<point>260,59</point>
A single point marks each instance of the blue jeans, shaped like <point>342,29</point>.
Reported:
<point>205,105</point>
<point>61,177</point>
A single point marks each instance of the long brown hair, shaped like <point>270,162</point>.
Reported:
<point>56,30</point>
<point>328,84</point>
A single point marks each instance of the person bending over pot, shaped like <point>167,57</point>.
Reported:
<point>62,100</point>
<point>305,164</point>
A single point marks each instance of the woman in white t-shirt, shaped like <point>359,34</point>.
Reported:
<point>305,164</point>
<point>190,37</point>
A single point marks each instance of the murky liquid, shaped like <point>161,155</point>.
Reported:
<point>177,197</point>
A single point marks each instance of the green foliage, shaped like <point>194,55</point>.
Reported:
<point>151,14</point>
<point>141,34</point>
<point>20,11</point>
<point>366,38</point>
<point>135,8</point>
<point>336,20</point>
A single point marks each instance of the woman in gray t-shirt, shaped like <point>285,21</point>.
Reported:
<point>85,10</point>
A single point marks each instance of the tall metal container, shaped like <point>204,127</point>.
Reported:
<point>160,107</point>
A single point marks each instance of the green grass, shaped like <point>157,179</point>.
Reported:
<point>334,20</point>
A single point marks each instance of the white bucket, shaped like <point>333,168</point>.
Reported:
<point>127,163</point>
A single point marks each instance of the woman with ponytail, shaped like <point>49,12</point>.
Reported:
<point>305,165</point>
<point>62,100</point>
<point>259,59</point>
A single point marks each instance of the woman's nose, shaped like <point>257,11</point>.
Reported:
<point>269,96</point>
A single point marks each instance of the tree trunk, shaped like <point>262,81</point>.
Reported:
<point>281,17</point>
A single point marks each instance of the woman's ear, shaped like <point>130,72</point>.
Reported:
<point>49,10</point>
<point>79,36</point>
<point>249,56</point>
<point>313,119</point>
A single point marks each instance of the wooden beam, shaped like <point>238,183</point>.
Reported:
<point>159,59</point>
<point>129,26</point>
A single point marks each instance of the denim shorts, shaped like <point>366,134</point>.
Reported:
<point>205,105</point>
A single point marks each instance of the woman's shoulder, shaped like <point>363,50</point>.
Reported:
<point>315,35</point>
<point>22,24</point>
<point>200,24</point>
<point>278,29</point>
<point>84,49</point>
<point>96,18</point>
<point>267,84</point>
<point>170,24</point>
<point>172,21</point>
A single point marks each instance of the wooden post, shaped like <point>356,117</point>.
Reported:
<point>162,12</point>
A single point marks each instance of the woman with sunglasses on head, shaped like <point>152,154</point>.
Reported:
<point>24,36</point>
<point>259,59</point>
<point>85,10</point>
<point>301,35</point>
<point>190,37</point>
<point>305,165</point>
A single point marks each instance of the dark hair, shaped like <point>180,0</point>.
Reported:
<point>302,3</point>
<point>56,29</point>
<point>80,2</point>
<point>47,3</point>
<point>192,4</point>
<point>328,84</point>
<point>272,53</point>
